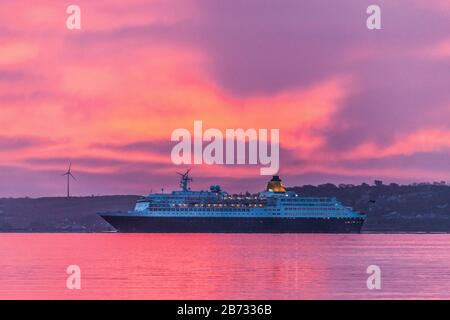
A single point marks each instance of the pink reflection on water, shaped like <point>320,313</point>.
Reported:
<point>223,266</point>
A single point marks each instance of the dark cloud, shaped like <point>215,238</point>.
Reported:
<point>97,162</point>
<point>12,75</point>
<point>146,146</point>
<point>259,47</point>
<point>402,97</point>
<point>8,143</point>
<point>264,47</point>
<point>31,97</point>
<point>434,161</point>
<point>84,161</point>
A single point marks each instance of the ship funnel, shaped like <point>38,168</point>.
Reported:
<point>275,185</point>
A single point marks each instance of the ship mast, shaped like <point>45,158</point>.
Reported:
<point>185,180</point>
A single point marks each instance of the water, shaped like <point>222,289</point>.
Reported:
<point>224,266</point>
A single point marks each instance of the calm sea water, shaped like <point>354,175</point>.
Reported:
<point>224,266</point>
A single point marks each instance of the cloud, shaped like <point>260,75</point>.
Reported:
<point>440,50</point>
<point>162,147</point>
<point>8,143</point>
<point>13,53</point>
<point>110,95</point>
<point>430,161</point>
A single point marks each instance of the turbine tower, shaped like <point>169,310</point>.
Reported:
<point>69,175</point>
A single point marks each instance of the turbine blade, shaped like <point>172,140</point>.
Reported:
<point>72,176</point>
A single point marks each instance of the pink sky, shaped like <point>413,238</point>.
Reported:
<point>352,105</point>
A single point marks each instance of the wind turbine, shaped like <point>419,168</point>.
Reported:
<point>69,175</point>
<point>185,180</point>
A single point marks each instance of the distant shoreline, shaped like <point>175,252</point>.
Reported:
<point>390,209</point>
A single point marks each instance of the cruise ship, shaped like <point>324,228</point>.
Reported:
<point>275,210</point>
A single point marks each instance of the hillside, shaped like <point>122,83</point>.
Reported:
<point>76,214</point>
<point>389,208</point>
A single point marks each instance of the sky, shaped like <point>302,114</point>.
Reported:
<point>352,104</point>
